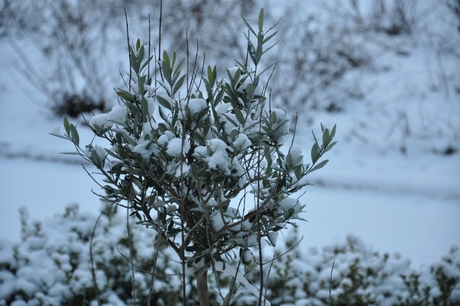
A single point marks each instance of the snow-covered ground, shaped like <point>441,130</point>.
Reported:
<point>406,203</point>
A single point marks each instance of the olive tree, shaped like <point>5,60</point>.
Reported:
<point>201,158</point>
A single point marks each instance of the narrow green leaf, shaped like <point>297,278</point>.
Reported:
<point>332,135</point>
<point>230,120</point>
<point>146,62</point>
<point>288,161</point>
<point>138,183</point>
<point>252,53</point>
<point>66,125</point>
<point>259,52</point>
<point>140,54</point>
<point>134,63</point>
<point>239,116</point>
<point>96,159</point>
<point>163,102</point>
<point>248,26</point>
<point>173,61</point>
<point>269,48</point>
<point>298,171</point>
<point>178,85</point>
<point>261,20</point>
<point>210,75</point>
<point>320,165</point>
<point>127,96</point>
<point>166,59</point>
<point>74,135</point>
<point>219,96</point>
<point>250,91</point>
<point>140,84</point>
<point>314,152</point>
<point>144,109</point>
<point>266,39</point>
<point>166,72</point>
<point>325,138</point>
<point>330,146</point>
<point>113,154</point>
<point>128,139</point>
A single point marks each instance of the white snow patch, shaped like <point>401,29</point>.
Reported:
<point>117,114</point>
<point>176,147</point>
<point>100,121</point>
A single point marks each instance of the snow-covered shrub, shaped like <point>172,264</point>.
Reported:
<point>199,159</point>
<point>62,261</point>
<point>351,273</point>
<point>52,265</point>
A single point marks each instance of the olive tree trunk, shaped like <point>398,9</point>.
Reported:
<point>202,287</point>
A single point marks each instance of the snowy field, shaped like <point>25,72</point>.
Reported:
<point>406,203</point>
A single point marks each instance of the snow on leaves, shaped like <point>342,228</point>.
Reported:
<point>195,149</point>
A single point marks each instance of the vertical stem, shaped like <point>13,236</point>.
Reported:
<point>131,256</point>
<point>129,51</point>
<point>202,287</point>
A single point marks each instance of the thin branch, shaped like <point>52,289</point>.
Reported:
<point>131,262</point>
<point>160,22</point>
<point>149,81</point>
<point>93,272</point>
<point>285,252</point>
<point>128,229</point>
<point>259,242</point>
<point>129,51</point>
<point>330,284</point>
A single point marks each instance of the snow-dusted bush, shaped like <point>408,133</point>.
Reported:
<point>351,273</point>
<point>199,159</point>
<point>60,262</point>
<point>52,265</point>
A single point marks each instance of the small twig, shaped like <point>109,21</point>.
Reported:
<point>131,256</point>
<point>259,243</point>
<point>149,81</point>
<point>285,252</point>
<point>140,268</point>
<point>129,50</point>
<point>160,22</point>
<point>93,272</point>
<point>330,283</point>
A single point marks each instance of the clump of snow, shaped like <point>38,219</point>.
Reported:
<point>195,105</point>
<point>290,203</point>
<point>214,153</point>
<point>145,148</point>
<point>117,114</point>
<point>100,121</point>
<point>56,131</point>
<point>242,142</point>
<point>219,220</point>
<point>163,140</point>
<point>176,147</point>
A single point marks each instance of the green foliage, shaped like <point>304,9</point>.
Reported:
<point>181,148</point>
